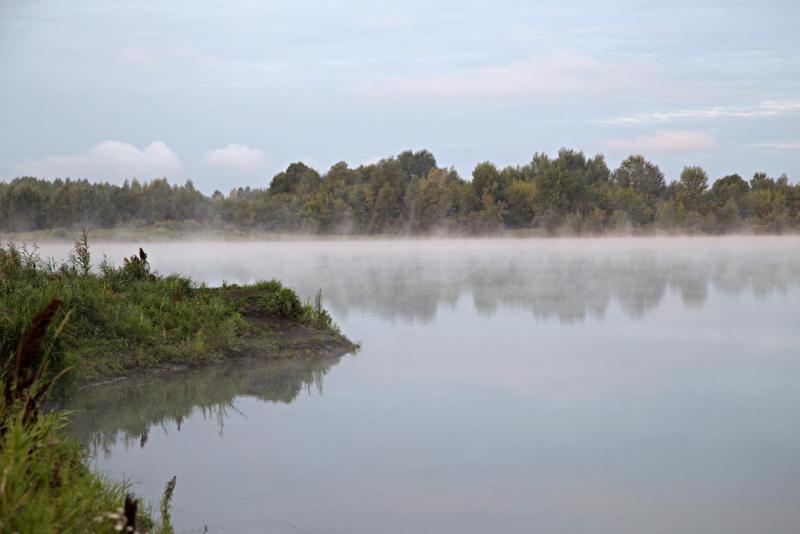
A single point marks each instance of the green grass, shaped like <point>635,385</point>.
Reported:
<point>45,485</point>
<point>128,317</point>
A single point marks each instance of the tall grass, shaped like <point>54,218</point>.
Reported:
<point>45,485</point>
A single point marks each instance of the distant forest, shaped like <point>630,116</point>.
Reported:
<point>410,193</point>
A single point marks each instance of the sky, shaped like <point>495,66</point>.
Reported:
<point>229,93</point>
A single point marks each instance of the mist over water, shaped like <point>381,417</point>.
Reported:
<point>569,279</point>
<point>575,385</point>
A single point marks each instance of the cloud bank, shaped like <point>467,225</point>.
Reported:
<point>240,157</point>
<point>664,141</point>
<point>108,160</point>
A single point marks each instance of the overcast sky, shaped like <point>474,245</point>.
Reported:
<point>228,94</point>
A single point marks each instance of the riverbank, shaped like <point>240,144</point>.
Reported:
<point>264,337</point>
<point>130,319</point>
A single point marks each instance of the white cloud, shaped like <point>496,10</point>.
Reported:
<point>240,157</point>
<point>767,108</point>
<point>108,160</point>
<point>664,141</point>
<point>553,76</point>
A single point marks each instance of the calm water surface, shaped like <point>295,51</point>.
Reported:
<point>515,386</point>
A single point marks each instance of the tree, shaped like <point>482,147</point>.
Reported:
<point>340,172</point>
<point>728,199</point>
<point>485,179</point>
<point>521,199</point>
<point>562,183</point>
<point>387,210</point>
<point>729,187</point>
<point>359,197</point>
<point>426,202</point>
<point>691,186</point>
<point>25,205</point>
<point>596,170</point>
<point>642,176</point>
<point>416,163</point>
<point>296,176</point>
<point>727,215</point>
<point>629,205</point>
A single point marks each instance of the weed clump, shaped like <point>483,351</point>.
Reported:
<point>317,315</point>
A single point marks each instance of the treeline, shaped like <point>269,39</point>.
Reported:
<point>411,193</point>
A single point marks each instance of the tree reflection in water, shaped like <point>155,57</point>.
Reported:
<point>127,410</point>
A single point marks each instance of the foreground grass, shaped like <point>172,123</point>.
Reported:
<point>45,485</point>
<point>130,318</point>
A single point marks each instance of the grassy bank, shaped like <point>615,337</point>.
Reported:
<point>106,321</point>
<point>45,485</point>
<point>128,318</point>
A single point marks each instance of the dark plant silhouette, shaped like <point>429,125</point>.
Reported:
<point>26,383</point>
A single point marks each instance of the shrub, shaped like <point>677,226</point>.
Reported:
<point>279,301</point>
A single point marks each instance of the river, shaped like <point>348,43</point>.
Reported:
<point>620,385</point>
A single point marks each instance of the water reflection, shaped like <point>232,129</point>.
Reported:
<point>568,286</point>
<point>128,410</point>
<point>568,280</point>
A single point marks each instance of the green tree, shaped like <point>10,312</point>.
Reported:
<point>426,201</point>
<point>642,176</point>
<point>521,200</point>
<point>692,185</point>
<point>387,210</point>
<point>729,187</point>
<point>486,179</point>
<point>297,176</point>
<point>416,163</point>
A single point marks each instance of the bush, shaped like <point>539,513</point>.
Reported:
<point>279,301</point>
